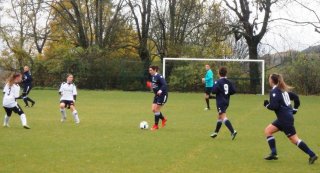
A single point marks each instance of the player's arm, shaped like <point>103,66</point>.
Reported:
<point>61,90</point>
<point>296,101</point>
<point>163,84</point>
<point>74,92</point>
<point>273,104</point>
<point>208,77</point>
<point>232,89</point>
<point>216,89</point>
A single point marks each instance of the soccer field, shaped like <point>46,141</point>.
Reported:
<point>108,139</point>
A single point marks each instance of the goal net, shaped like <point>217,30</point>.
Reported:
<point>185,74</point>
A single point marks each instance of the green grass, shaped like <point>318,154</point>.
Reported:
<point>108,139</point>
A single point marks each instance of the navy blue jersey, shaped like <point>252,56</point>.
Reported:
<point>280,103</point>
<point>159,83</point>
<point>223,89</point>
<point>295,98</point>
<point>27,78</point>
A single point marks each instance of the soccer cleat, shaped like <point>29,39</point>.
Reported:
<point>6,125</point>
<point>32,104</point>
<point>313,159</point>
<point>164,121</point>
<point>26,127</point>
<point>27,106</point>
<point>206,109</point>
<point>154,127</point>
<point>271,157</point>
<point>214,135</point>
<point>233,135</point>
<point>63,120</point>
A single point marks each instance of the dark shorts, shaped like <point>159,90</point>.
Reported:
<point>16,110</point>
<point>26,90</point>
<point>67,103</point>
<point>208,90</point>
<point>222,109</point>
<point>287,129</point>
<point>160,99</point>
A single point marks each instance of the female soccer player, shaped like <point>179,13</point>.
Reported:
<point>68,92</point>
<point>27,86</point>
<point>11,93</point>
<point>223,89</point>
<point>280,103</point>
<point>208,81</point>
<point>159,86</point>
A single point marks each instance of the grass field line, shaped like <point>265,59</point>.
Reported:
<point>189,157</point>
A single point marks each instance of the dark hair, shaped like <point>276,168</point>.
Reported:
<point>277,79</point>
<point>12,77</point>
<point>223,71</point>
<point>155,68</point>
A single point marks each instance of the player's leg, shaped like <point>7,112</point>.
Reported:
<point>227,122</point>
<point>303,146</point>
<point>206,97</point>
<point>23,117</point>
<point>7,116</point>
<point>269,131</point>
<point>25,96</point>
<point>156,110</point>
<point>28,98</point>
<point>74,113</point>
<point>218,127</point>
<point>63,111</point>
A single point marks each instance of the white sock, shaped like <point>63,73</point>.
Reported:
<point>75,116</point>
<point>6,120</point>
<point>63,114</point>
<point>23,119</point>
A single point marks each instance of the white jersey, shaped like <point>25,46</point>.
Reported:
<point>10,95</point>
<point>67,91</point>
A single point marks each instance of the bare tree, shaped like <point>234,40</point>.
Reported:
<point>247,26</point>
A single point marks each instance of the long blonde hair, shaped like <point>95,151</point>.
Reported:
<point>12,78</point>
<point>278,80</point>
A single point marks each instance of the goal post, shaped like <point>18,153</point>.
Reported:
<point>219,60</point>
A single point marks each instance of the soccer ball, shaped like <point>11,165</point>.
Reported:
<point>144,125</point>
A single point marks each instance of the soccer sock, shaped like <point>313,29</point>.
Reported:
<point>272,144</point>
<point>25,100</point>
<point>304,147</point>
<point>23,119</point>
<point>30,100</point>
<point>229,125</point>
<point>63,113</point>
<point>219,124</point>
<point>161,116</point>
<point>208,105</point>
<point>212,97</point>
<point>6,120</point>
<point>75,116</point>
<point>156,118</point>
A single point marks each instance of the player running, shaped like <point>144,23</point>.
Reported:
<point>223,89</point>
<point>68,92</point>
<point>11,93</point>
<point>159,86</point>
<point>27,86</point>
<point>280,103</point>
<point>209,82</point>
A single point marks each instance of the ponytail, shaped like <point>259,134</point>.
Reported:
<point>278,80</point>
<point>12,77</point>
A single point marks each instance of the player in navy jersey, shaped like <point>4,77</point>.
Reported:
<point>27,86</point>
<point>159,87</point>
<point>280,103</point>
<point>223,90</point>
<point>11,92</point>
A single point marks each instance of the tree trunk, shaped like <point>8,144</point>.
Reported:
<point>253,67</point>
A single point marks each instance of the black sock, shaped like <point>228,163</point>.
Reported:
<point>229,125</point>
<point>25,99</point>
<point>161,116</point>
<point>212,97</point>
<point>156,118</point>
<point>208,105</point>
<point>272,144</point>
<point>304,147</point>
<point>30,100</point>
<point>219,124</point>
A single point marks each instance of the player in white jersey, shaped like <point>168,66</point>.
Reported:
<point>11,93</point>
<point>68,92</point>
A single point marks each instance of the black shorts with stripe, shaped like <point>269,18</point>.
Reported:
<point>26,90</point>
<point>17,109</point>
<point>67,103</point>
<point>160,99</point>
<point>286,128</point>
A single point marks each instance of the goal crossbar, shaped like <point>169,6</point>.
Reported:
<point>220,60</point>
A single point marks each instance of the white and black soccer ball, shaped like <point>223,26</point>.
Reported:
<point>144,125</point>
